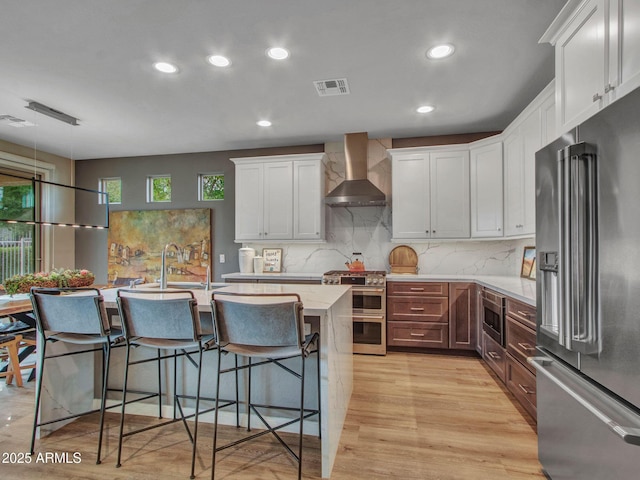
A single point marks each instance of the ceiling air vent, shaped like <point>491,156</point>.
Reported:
<point>337,86</point>
<point>15,121</point>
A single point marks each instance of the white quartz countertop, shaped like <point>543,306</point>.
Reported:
<point>284,275</point>
<point>316,298</point>
<point>519,288</point>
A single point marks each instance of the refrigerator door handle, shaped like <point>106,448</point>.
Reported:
<point>630,435</point>
<point>578,248</point>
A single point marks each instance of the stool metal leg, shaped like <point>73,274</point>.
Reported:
<point>237,394</point>
<point>215,418</point>
<point>319,396</point>
<point>124,403</point>
<point>106,355</point>
<point>36,416</point>
<point>301,417</point>
<point>159,387</point>
<point>249,398</point>
<point>195,427</point>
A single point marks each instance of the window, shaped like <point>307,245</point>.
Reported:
<point>113,186</point>
<point>210,186</point>
<point>159,188</point>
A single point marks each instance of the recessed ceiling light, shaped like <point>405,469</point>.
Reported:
<point>219,61</point>
<point>440,51</point>
<point>278,53</point>
<point>165,67</point>
<point>263,123</point>
<point>425,109</point>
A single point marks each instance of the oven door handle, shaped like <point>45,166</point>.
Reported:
<point>367,290</point>
<point>357,316</point>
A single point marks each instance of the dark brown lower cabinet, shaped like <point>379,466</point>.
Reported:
<point>495,356</point>
<point>522,384</point>
<point>418,334</point>
<point>462,316</point>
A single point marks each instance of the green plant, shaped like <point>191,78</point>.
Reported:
<point>55,278</point>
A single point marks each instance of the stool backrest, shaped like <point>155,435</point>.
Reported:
<point>70,310</point>
<point>267,320</point>
<point>169,315</point>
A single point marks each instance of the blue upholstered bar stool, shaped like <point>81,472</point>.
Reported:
<point>75,316</point>
<point>165,320</point>
<point>268,328</point>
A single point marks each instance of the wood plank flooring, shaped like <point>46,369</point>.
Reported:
<point>411,416</point>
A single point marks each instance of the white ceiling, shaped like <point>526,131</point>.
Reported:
<point>92,59</point>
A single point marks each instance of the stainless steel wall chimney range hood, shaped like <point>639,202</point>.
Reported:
<point>356,190</point>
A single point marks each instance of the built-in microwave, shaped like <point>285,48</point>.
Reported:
<point>493,315</point>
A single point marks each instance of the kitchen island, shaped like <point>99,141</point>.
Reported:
<point>69,386</point>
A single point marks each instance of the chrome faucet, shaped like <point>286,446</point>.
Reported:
<point>163,268</point>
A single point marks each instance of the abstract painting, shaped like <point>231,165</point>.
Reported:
<point>137,238</point>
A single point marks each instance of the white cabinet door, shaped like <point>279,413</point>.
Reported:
<point>410,189</point>
<point>308,200</point>
<point>520,148</point>
<point>449,194</point>
<point>249,201</point>
<point>513,172</point>
<point>548,112</point>
<point>278,201</point>
<point>624,57</point>
<point>486,191</point>
<point>581,65</point>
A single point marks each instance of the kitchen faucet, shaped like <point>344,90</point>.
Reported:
<point>163,267</point>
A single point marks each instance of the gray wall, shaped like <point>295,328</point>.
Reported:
<point>91,246</point>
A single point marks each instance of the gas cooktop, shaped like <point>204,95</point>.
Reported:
<point>362,273</point>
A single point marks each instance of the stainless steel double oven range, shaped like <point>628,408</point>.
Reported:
<point>369,308</point>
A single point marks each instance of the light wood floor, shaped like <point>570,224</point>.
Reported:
<point>411,416</point>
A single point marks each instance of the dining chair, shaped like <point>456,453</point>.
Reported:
<point>10,343</point>
<point>270,329</point>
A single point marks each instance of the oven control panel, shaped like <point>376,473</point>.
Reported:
<point>373,279</point>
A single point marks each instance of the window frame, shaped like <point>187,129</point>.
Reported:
<point>201,186</point>
<point>150,180</point>
<point>102,188</point>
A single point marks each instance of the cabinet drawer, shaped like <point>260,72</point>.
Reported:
<point>494,355</point>
<point>522,383</point>
<point>522,312</point>
<point>418,309</point>
<point>521,342</point>
<point>418,288</point>
<point>418,334</point>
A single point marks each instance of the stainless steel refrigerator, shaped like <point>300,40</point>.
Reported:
<point>588,298</point>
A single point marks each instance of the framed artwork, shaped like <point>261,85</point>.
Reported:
<point>272,260</point>
<point>528,262</point>
<point>137,238</point>
<point>532,275</point>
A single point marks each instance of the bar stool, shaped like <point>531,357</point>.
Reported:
<point>268,327</point>
<point>76,316</point>
<point>165,320</point>
<point>10,344</point>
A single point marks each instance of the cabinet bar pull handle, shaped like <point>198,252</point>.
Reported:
<point>525,389</point>
<point>524,314</point>
<point>417,309</point>
<point>526,346</point>
<point>493,355</point>
<point>417,334</point>
<point>417,289</point>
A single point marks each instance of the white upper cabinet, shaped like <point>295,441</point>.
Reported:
<point>430,193</point>
<point>450,194</point>
<point>597,46</point>
<point>528,133</point>
<point>308,200</point>
<point>486,191</point>
<point>279,198</point>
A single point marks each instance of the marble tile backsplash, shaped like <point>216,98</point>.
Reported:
<point>368,230</point>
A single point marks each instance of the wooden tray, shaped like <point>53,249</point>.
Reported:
<point>403,259</point>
